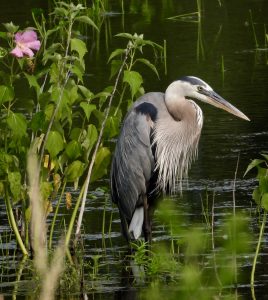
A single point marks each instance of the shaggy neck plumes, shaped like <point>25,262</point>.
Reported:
<point>176,139</point>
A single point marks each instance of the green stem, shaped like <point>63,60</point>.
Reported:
<point>55,216</point>
<point>72,221</point>
<point>257,254</point>
<point>14,225</point>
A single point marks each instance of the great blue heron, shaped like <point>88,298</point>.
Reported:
<point>157,143</point>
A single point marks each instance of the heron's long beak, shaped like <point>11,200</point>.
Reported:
<point>216,100</point>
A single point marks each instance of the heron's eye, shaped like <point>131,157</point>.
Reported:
<point>200,88</point>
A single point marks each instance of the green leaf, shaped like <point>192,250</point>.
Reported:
<point>253,164</point>
<point>17,123</point>
<point>87,108</point>
<point>264,201</point>
<point>10,27</point>
<point>14,179</point>
<point>74,170</point>
<point>125,35</point>
<point>134,80</point>
<point>256,195</point>
<point>54,143</point>
<point>101,163</point>
<point>112,126</point>
<point>73,150</point>
<point>91,138</point>
<point>6,94</point>
<point>38,121</point>
<point>265,156</point>
<point>87,20</point>
<point>115,53</point>
<point>46,189</point>
<point>33,82</point>
<point>115,66</point>
<point>79,46</point>
<point>86,92</point>
<point>149,64</point>
<point>263,184</point>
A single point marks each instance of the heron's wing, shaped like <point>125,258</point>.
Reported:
<point>133,163</point>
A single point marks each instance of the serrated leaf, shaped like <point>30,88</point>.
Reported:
<point>134,80</point>
<point>264,201</point>
<point>17,123</point>
<point>6,94</point>
<point>14,179</point>
<point>115,53</point>
<point>54,143</point>
<point>74,170</point>
<point>73,150</point>
<point>101,163</point>
<point>10,27</point>
<point>253,164</point>
<point>112,126</point>
<point>149,64</point>
<point>87,108</point>
<point>87,20</point>
<point>86,92</point>
<point>79,46</point>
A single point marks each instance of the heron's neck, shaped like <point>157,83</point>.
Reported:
<point>175,101</point>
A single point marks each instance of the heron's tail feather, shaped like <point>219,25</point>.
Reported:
<point>135,226</point>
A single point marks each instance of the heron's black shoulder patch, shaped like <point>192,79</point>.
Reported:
<point>146,108</point>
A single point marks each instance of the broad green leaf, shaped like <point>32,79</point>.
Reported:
<point>134,80</point>
<point>264,201</point>
<point>101,163</point>
<point>6,93</point>
<point>33,82</point>
<point>87,20</point>
<point>112,126</point>
<point>74,170</point>
<point>79,46</point>
<point>17,123</point>
<point>149,64</point>
<point>54,143</point>
<point>87,108</point>
<point>86,92</point>
<point>14,179</point>
<point>38,121</point>
<point>73,150</point>
<point>115,53</point>
<point>75,133</point>
<point>253,164</point>
<point>263,184</point>
<point>91,138</point>
<point>78,69</point>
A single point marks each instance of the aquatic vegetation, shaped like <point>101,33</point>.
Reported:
<point>260,196</point>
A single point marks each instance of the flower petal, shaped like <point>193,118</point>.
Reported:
<point>28,52</point>
<point>35,45</point>
<point>17,52</point>
<point>18,37</point>
<point>28,36</point>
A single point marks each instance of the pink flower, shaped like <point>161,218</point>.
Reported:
<point>25,43</point>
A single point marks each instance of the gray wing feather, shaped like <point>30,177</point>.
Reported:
<point>133,161</point>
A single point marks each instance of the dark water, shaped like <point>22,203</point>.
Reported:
<point>226,34</point>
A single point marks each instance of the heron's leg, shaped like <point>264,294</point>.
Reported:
<point>147,223</point>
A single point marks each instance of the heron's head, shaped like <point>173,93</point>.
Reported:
<point>196,89</point>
